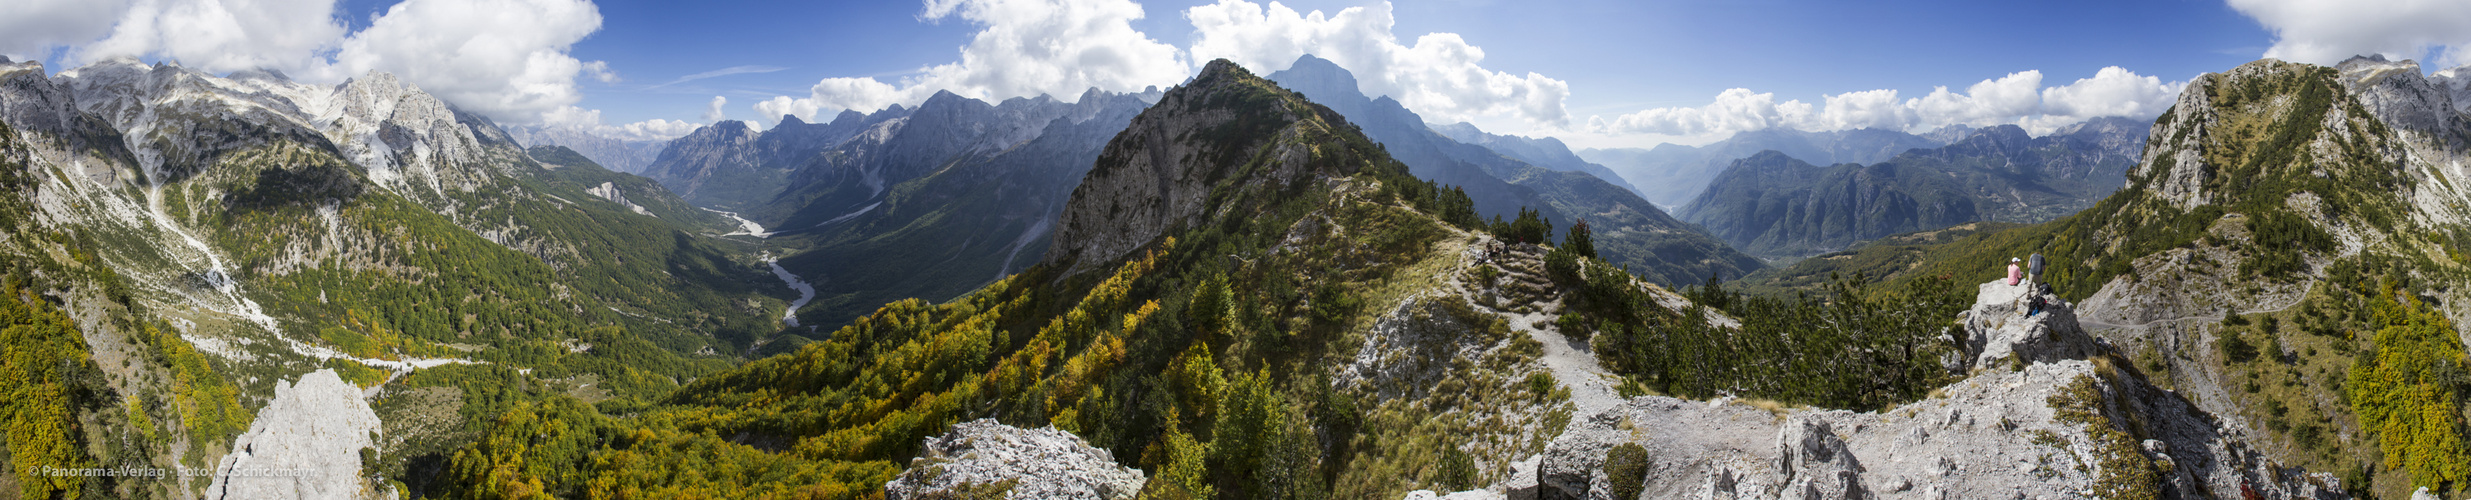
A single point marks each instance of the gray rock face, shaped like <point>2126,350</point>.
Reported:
<point>1410,348</point>
<point>1819,463</point>
<point>2174,161</point>
<point>2059,427</point>
<point>305,444</point>
<point>1040,463</point>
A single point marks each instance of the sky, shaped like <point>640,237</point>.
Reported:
<point>1592,73</point>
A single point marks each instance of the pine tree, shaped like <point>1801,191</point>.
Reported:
<point>1579,241</point>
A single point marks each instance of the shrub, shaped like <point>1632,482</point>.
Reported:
<point>1625,469</point>
<point>2235,347</point>
<point>1458,470</point>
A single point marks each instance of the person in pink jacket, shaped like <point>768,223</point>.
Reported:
<point>2014,275</point>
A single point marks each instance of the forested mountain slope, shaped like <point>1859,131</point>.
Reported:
<point>215,238</point>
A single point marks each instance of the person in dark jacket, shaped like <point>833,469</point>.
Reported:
<point>2035,266</point>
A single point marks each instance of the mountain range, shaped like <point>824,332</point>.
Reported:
<point>630,156</point>
<point>1771,204</point>
<point>1674,173</point>
<point>1629,231</point>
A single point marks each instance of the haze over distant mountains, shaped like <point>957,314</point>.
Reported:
<point>1774,205</point>
<point>1673,174</point>
<point>1629,231</point>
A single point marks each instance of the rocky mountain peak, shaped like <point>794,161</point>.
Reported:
<point>1158,173</point>
<point>1314,76</point>
<point>848,116</point>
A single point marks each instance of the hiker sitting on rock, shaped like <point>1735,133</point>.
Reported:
<point>2015,275</point>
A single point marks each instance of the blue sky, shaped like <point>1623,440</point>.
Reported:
<point>1617,56</point>
<point>1596,73</point>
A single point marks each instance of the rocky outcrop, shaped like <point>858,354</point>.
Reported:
<point>305,444</point>
<point>609,191</point>
<point>2004,324</point>
<point>2067,422</point>
<point>1028,463</point>
<point>1410,348</point>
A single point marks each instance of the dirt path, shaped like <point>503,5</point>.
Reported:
<point>1572,362</point>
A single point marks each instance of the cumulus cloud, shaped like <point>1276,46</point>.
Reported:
<point>1734,110</point>
<point>2328,31</point>
<point>1440,76</point>
<point>32,29</point>
<point>768,112</point>
<point>504,58</point>
<point>2018,99</point>
<point>1023,48</point>
<point>714,113</point>
<point>589,121</point>
<point>222,36</point>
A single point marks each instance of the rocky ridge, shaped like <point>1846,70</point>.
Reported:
<point>305,444</point>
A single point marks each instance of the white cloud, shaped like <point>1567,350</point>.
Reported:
<point>2018,98</point>
<point>1440,76</point>
<point>2328,31</point>
<point>220,36</point>
<point>714,114</point>
<point>31,29</point>
<point>1990,102</point>
<point>768,112</point>
<point>1734,110</point>
<point>1024,48</point>
<point>503,58</point>
<point>589,121</point>
<point>2114,91</point>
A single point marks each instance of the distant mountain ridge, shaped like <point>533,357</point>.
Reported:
<point>1775,205</point>
<point>1673,174</point>
<point>1544,152</point>
<point>618,155</point>
<point>1629,231</point>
